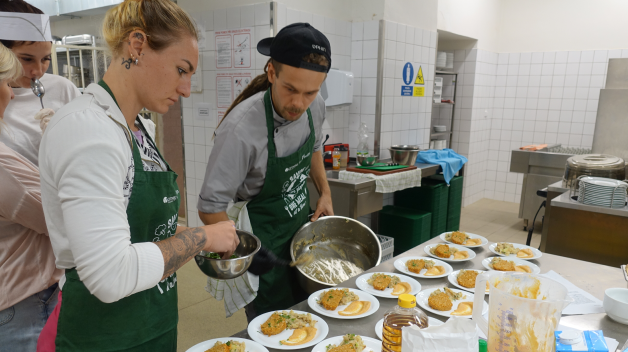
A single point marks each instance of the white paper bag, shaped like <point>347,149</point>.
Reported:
<point>456,335</point>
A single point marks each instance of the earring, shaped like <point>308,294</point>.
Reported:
<point>136,61</point>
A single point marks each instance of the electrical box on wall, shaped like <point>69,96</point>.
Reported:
<point>337,88</point>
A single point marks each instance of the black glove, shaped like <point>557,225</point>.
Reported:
<point>264,261</point>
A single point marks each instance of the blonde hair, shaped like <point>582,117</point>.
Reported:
<point>10,69</point>
<point>162,20</point>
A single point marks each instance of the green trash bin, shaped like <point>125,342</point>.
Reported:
<point>431,197</point>
<point>409,227</point>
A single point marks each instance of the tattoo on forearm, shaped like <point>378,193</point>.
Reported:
<point>127,63</point>
<point>180,248</point>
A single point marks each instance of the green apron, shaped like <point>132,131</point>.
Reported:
<point>144,321</point>
<point>276,214</point>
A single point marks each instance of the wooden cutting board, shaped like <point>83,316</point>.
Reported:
<point>380,173</point>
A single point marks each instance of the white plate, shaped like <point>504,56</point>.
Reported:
<point>453,279</point>
<point>363,285</point>
<point>422,297</point>
<point>312,302</point>
<point>602,182</point>
<point>251,346</point>
<point>535,269</point>
<point>379,326</point>
<point>322,329</point>
<point>450,259</point>
<point>537,253</point>
<point>371,344</point>
<point>400,264</point>
<point>472,235</point>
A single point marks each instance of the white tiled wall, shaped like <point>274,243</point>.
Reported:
<point>406,120</point>
<point>198,134</point>
<point>543,97</point>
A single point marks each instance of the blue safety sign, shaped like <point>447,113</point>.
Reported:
<point>408,73</point>
<point>406,91</point>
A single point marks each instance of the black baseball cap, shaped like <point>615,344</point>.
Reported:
<point>294,42</point>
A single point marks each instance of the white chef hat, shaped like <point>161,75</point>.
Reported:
<point>25,27</point>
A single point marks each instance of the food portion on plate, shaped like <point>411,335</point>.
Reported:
<point>446,252</point>
<point>444,301</point>
<point>459,237</point>
<point>416,265</point>
<point>350,343</point>
<point>302,324</point>
<point>500,264</point>
<point>505,248</point>
<point>333,298</point>
<point>229,346</point>
<point>467,278</point>
<point>381,282</point>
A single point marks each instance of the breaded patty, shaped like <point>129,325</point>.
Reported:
<point>219,347</point>
<point>458,237</point>
<point>439,300</point>
<point>415,265</point>
<point>442,251</point>
<point>381,283</point>
<point>331,299</point>
<point>502,265</point>
<point>467,278</point>
<point>274,325</point>
<point>343,348</point>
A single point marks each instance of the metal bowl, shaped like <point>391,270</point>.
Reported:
<point>335,237</point>
<point>404,154</point>
<point>366,160</point>
<point>224,269</point>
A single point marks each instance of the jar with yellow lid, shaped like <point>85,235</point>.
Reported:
<point>405,313</point>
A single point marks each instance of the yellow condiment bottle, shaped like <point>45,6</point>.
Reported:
<point>335,155</point>
<point>404,314</point>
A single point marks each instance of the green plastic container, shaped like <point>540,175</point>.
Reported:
<point>432,197</point>
<point>409,227</point>
<point>454,201</point>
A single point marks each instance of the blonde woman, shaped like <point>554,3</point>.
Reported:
<point>28,277</point>
<point>111,200</point>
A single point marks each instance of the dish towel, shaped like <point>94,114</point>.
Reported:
<point>450,161</point>
<point>236,293</point>
<point>387,183</point>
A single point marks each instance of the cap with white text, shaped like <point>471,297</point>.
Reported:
<point>293,43</point>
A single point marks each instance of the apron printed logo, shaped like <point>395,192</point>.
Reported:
<point>167,230</point>
<point>294,191</point>
<point>170,199</point>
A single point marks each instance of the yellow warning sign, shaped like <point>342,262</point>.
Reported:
<point>419,77</point>
<point>418,92</point>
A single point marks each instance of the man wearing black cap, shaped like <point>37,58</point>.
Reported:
<point>265,147</point>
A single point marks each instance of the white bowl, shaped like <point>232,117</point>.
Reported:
<point>616,304</point>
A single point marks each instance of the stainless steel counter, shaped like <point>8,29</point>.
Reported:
<point>563,201</point>
<point>593,278</point>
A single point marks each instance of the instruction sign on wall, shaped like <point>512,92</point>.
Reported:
<point>233,48</point>
<point>408,73</point>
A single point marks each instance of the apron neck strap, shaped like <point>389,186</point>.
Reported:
<point>106,87</point>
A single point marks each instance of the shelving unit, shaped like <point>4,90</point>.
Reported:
<point>451,96</point>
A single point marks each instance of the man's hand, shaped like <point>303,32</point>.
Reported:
<point>323,207</point>
<point>221,238</point>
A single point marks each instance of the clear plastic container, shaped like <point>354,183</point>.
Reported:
<point>344,156</point>
<point>405,313</point>
<point>335,155</point>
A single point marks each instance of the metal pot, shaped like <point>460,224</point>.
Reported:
<point>404,154</point>
<point>597,165</point>
<point>225,269</point>
<point>335,236</point>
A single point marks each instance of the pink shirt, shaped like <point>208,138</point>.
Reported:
<point>27,263</point>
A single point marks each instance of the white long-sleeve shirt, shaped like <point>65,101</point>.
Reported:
<point>84,159</point>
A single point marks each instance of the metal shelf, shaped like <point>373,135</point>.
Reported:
<point>443,103</point>
<point>440,134</point>
<point>445,73</point>
<point>449,134</point>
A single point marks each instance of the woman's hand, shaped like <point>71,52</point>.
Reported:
<point>221,238</point>
<point>44,116</point>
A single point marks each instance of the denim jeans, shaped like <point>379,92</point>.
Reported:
<point>21,324</point>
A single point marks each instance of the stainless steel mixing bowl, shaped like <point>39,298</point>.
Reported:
<point>330,236</point>
<point>224,269</point>
<point>404,154</point>
<point>366,160</point>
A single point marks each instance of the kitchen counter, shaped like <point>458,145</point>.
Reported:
<point>593,278</point>
<point>564,201</point>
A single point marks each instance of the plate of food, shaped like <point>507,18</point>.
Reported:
<point>387,285</point>
<point>515,250</point>
<point>449,252</point>
<point>423,267</point>
<point>465,279</point>
<point>379,326</point>
<point>507,264</point>
<point>228,344</point>
<point>349,343</point>
<point>288,330</point>
<point>466,239</point>
<point>448,302</point>
<point>343,303</point>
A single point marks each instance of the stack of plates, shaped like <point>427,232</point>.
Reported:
<point>441,59</point>
<point>603,192</point>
